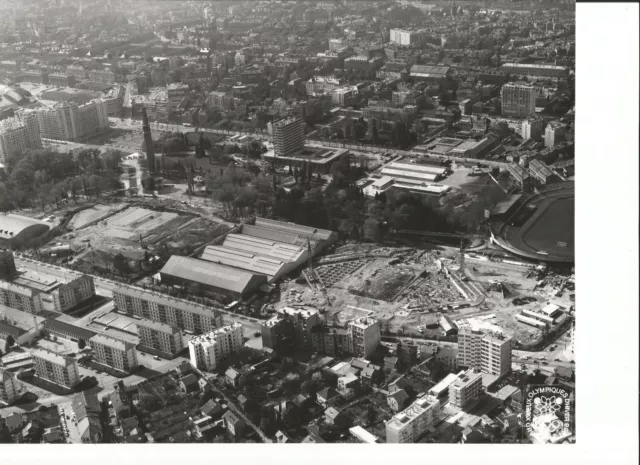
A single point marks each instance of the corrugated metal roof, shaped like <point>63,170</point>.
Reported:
<point>409,176</point>
<point>57,325</point>
<point>208,273</point>
<point>291,228</point>
<point>244,260</point>
<point>279,250</point>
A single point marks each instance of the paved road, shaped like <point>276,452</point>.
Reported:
<point>105,287</point>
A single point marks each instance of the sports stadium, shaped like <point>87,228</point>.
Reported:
<point>537,227</point>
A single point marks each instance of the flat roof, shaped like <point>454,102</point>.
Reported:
<point>383,181</point>
<point>409,176</point>
<point>362,434</point>
<point>417,168</point>
<point>52,357</point>
<point>158,326</point>
<point>111,342</point>
<point>550,309</point>
<point>444,384</point>
<point>209,273</point>
<point>167,300</point>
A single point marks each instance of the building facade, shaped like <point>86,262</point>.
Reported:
<point>20,297</point>
<point>404,37</point>
<point>490,353</point>
<point>73,122</point>
<point>554,133</point>
<point>289,329</point>
<point>9,386</point>
<point>120,355</point>
<point>207,350</point>
<point>160,336</point>
<point>465,391</point>
<point>532,129</point>
<point>288,136</point>
<point>413,422</point>
<point>56,368</point>
<point>364,336</point>
<point>518,100</point>
<point>165,309</point>
<point>19,134</point>
<point>73,293</point>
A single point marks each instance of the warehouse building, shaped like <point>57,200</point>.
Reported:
<point>15,230</point>
<point>67,331</point>
<point>429,73</point>
<point>213,277</point>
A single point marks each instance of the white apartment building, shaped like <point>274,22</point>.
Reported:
<point>114,353</point>
<point>288,136</point>
<point>466,390</point>
<point>518,100</point>
<point>404,37</point>
<point>335,45</point>
<point>20,297</point>
<point>207,350</point>
<point>413,422</point>
<point>554,133</point>
<point>160,336</point>
<point>18,134</point>
<point>490,353</point>
<point>56,368</point>
<point>532,129</point>
<point>9,386</point>
<point>220,100</point>
<point>363,336</point>
<point>165,309</point>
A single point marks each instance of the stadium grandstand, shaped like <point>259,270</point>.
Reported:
<point>16,229</point>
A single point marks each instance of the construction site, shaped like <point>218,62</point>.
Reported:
<point>137,232</point>
<point>410,289</point>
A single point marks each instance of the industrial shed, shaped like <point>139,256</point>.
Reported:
<point>256,255</point>
<point>16,229</point>
<point>291,233</point>
<point>214,277</point>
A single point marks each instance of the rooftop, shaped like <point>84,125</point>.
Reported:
<point>209,273</point>
<point>111,342</point>
<point>11,225</point>
<point>57,325</point>
<point>52,357</point>
<point>211,336</point>
<point>158,326</point>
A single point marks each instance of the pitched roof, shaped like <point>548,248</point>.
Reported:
<point>85,404</point>
<point>400,396</point>
<point>57,325</point>
<point>209,273</point>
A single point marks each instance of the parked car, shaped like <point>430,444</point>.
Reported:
<point>257,334</point>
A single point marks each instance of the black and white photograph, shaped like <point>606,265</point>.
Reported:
<point>233,222</point>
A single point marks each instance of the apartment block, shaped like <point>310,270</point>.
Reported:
<point>207,350</point>
<point>290,328</point>
<point>519,100</point>
<point>56,368</point>
<point>176,93</point>
<point>554,133</point>
<point>404,37</point>
<point>70,121</point>
<point>364,336</point>
<point>73,293</point>
<point>413,422</point>
<point>20,297</point>
<point>19,134</point>
<point>9,386</point>
<point>288,136</point>
<point>165,309</point>
<point>220,100</point>
<point>160,336</point>
<point>114,353</point>
<point>466,390</point>
<point>532,129</point>
<point>488,352</point>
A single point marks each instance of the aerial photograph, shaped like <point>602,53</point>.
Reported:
<point>297,222</point>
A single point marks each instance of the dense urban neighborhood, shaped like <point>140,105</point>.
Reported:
<point>287,222</point>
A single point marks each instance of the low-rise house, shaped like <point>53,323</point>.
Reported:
<point>235,377</point>
<point>391,363</point>
<point>397,400</point>
<point>53,436</point>
<point>338,418</point>
<point>15,422</point>
<point>120,404</point>
<point>301,401</point>
<point>204,385</point>
<point>128,424</point>
<point>212,409</point>
<point>349,381</point>
<point>282,438</point>
<point>189,383</point>
<point>87,411</point>
<point>327,397</point>
<point>234,424</point>
<point>398,384</point>
<point>372,375</point>
<point>247,405</point>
